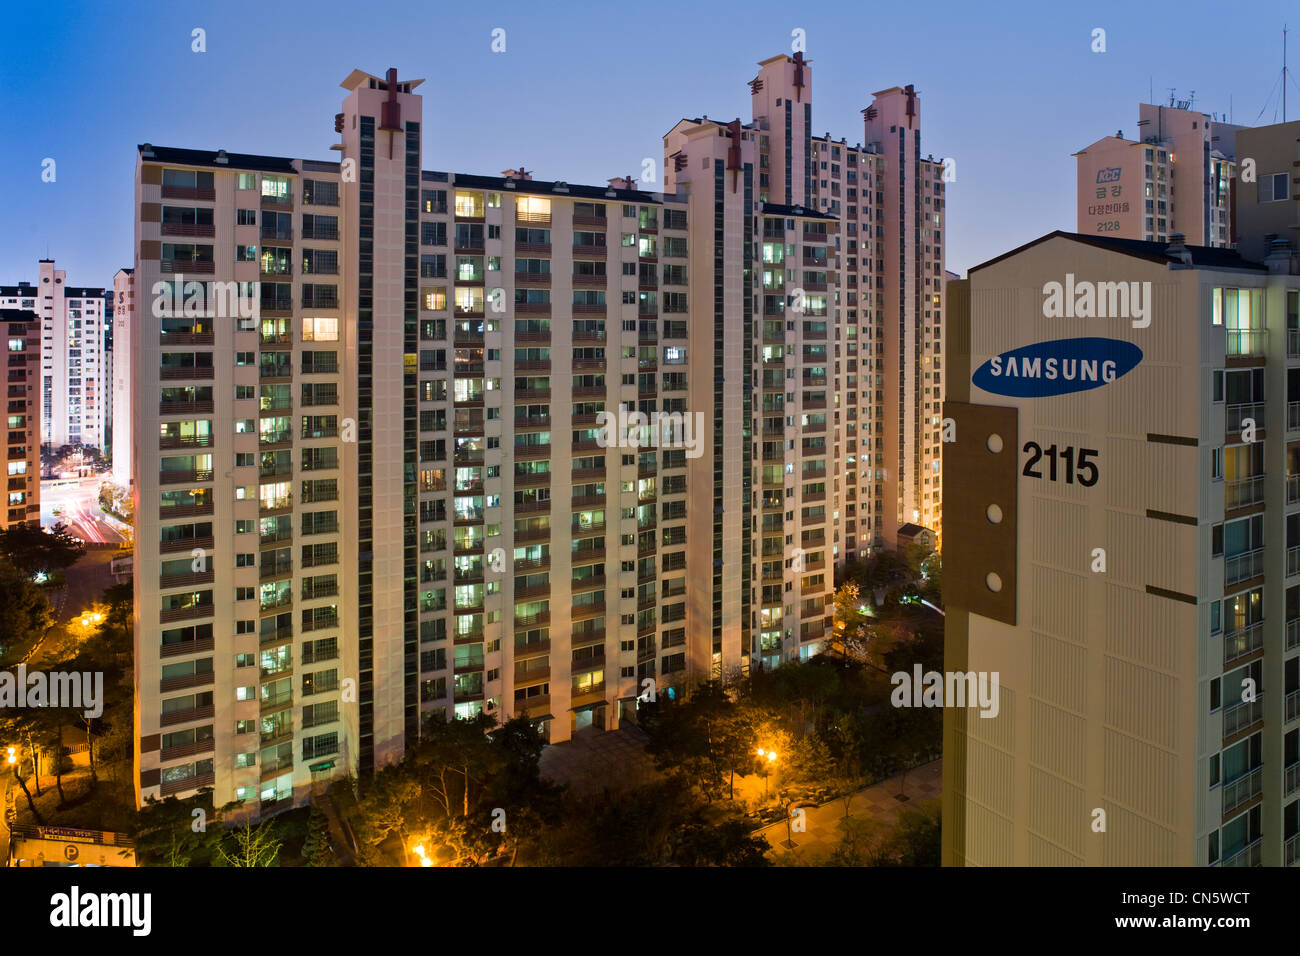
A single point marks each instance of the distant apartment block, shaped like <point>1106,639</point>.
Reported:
<point>22,329</point>
<point>1175,177</point>
<point>74,390</point>
<point>1124,551</point>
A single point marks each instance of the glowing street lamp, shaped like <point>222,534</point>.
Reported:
<point>11,755</point>
<point>423,854</point>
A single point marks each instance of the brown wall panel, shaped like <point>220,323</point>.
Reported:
<point>975,478</point>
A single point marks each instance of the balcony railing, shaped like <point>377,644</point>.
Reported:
<point>1237,415</point>
<point>186,716</point>
<point>1240,567</point>
<point>1292,561</point>
<point>1243,492</point>
<point>189,192</point>
<point>1241,715</point>
<point>1292,343</point>
<point>1243,789</point>
<point>1293,634</point>
<point>187,680</point>
<point>1241,642</point>
<point>1245,343</point>
<point>181,648</point>
<point>1292,489</point>
<point>1291,779</point>
<point>1248,855</point>
<point>182,266</point>
<point>1293,705</point>
<point>1292,416</point>
<point>1291,850</point>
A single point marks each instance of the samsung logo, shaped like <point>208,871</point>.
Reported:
<point>1057,368</point>
<point>1109,175</point>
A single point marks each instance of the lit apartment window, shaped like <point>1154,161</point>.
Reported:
<point>320,330</point>
<point>533,208</point>
<point>277,187</point>
<point>469,203</point>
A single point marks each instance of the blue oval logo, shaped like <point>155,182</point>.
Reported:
<point>1057,368</point>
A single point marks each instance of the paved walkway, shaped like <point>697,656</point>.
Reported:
<point>880,800</point>
<point>595,760</point>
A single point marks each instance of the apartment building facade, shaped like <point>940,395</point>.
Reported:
<point>1267,210</point>
<point>123,323</point>
<point>1125,555</point>
<point>884,279</point>
<point>74,390</point>
<point>422,448</point>
<point>22,409</point>
<point>1177,177</point>
<point>848,286</point>
<point>357,437</point>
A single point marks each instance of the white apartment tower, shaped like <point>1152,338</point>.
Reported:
<point>73,388</point>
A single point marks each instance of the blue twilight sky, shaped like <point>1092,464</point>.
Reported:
<point>585,90</point>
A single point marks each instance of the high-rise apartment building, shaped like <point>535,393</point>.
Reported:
<point>123,322</point>
<point>73,387</point>
<point>22,410</point>
<point>380,434</point>
<point>883,284</point>
<point>1124,553</point>
<point>374,475</point>
<point>1175,178</point>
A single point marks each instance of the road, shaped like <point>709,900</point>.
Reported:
<point>77,500</point>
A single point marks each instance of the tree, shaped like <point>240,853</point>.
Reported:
<point>169,833</point>
<point>707,738</point>
<point>388,809</point>
<point>24,609</point>
<point>810,761</point>
<point>249,845</point>
<point>106,648</point>
<point>905,734</point>
<point>16,727</point>
<point>915,840</point>
<point>34,551</point>
<point>864,841</point>
<point>729,842</point>
<point>932,581</point>
<point>850,631</point>
<point>316,848</point>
